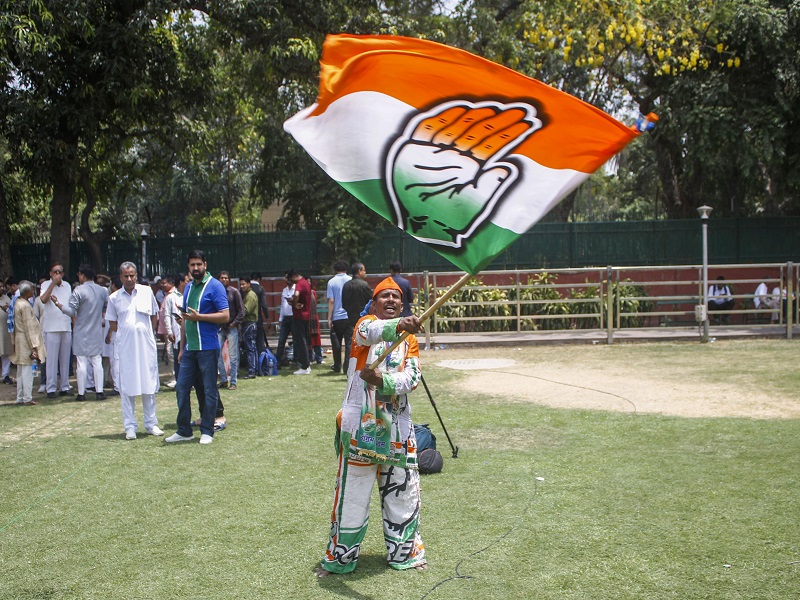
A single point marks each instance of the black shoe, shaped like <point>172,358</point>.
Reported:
<point>80,398</point>
<point>100,396</point>
<point>51,394</point>
<point>249,376</point>
<point>8,380</point>
<point>65,393</point>
<point>336,369</point>
<point>222,384</point>
<point>112,393</point>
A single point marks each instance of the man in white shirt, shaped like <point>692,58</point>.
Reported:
<point>132,314</point>
<point>763,300</point>
<point>171,308</point>
<point>720,297</point>
<point>57,331</point>
<point>286,320</point>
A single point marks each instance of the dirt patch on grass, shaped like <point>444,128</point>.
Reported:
<point>684,390</point>
<point>627,392</point>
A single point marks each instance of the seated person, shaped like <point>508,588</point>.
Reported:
<point>720,297</point>
<point>764,300</point>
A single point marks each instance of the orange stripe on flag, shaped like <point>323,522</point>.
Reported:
<point>422,74</point>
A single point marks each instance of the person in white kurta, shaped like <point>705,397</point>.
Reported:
<point>57,330</point>
<point>132,313</point>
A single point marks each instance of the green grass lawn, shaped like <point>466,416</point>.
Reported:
<point>540,503</point>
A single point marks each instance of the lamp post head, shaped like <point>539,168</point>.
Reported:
<point>704,211</point>
<point>144,230</point>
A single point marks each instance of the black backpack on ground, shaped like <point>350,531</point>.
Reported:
<point>429,459</point>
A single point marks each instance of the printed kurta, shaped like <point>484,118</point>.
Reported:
<point>135,343</point>
<point>378,421</point>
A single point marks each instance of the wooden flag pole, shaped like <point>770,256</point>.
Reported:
<point>426,315</point>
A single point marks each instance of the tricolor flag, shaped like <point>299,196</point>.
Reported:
<point>461,153</point>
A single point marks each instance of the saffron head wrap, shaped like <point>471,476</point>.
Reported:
<point>386,284</point>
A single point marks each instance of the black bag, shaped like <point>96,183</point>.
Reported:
<point>429,459</point>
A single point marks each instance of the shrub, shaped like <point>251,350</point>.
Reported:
<point>482,302</point>
<point>545,301</point>
<point>625,291</point>
<point>586,308</point>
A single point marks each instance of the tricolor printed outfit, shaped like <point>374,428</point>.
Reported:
<point>377,442</point>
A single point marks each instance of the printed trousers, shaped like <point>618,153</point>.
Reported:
<point>400,508</point>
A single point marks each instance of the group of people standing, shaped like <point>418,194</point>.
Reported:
<point>198,315</point>
<point>59,323</point>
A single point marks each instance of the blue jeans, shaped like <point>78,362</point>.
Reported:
<point>204,362</point>
<point>233,352</point>
<point>249,335</point>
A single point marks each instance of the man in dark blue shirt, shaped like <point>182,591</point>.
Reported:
<point>408,295</point>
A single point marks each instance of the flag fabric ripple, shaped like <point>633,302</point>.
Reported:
<point>462,153</point>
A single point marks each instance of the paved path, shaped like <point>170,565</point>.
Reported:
<point>596,336</point>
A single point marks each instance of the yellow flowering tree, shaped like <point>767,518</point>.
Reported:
<point>721,74</point>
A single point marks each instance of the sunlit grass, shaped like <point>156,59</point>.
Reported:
<point>540,503</point>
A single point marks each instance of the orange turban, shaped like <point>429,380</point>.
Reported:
<point>386,284</point>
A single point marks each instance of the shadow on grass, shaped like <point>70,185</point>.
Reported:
<point>42,400</point>
<point>111,437</point>
<point>368,566</point>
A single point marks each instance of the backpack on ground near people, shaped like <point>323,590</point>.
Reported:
<point>429,459</point>
<point>267,363</point>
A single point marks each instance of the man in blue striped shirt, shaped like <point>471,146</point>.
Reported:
<point>205,308</point>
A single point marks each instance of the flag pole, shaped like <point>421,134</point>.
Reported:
<point>426,315</point>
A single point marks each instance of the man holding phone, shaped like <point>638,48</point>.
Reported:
<point>205,308</point>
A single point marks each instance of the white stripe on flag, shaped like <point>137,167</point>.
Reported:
<point>350,138</point>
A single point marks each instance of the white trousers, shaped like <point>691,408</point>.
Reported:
<point>97,372</point>
<point>24,383</point>
<point>58,344</point>
<point>6,365</point>
<point>148,409</point>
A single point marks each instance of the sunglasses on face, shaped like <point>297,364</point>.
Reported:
<point>56,272</point>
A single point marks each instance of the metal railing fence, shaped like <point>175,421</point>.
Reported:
<point>609,298</point>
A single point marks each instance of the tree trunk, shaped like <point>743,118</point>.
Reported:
<point>668,172</point>
<point>92,238</point>
<point>6,267</point>
<point>60,207</point>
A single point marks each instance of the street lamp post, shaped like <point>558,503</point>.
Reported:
<point>144,232</point>
<point>704,211</point>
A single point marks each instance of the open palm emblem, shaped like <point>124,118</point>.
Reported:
<point>445,173</point>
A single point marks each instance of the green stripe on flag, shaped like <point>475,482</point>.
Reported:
<point>476,252</point>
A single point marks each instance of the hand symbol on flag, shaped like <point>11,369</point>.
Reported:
<point>445,172</point>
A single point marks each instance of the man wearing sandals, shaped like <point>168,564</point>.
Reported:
<point>377,441</point>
